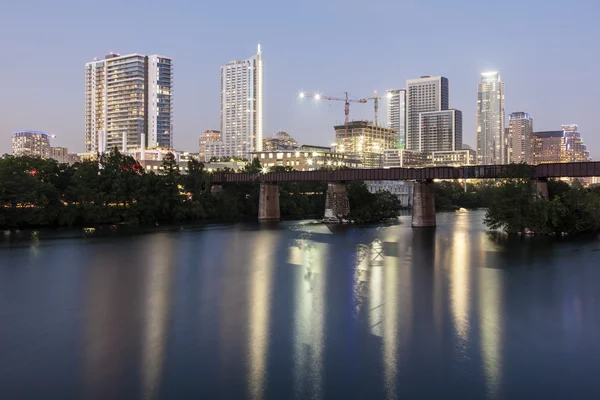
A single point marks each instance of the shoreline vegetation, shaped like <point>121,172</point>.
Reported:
<point>115,189</point>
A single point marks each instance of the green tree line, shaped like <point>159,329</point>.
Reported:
<point>116,189</point>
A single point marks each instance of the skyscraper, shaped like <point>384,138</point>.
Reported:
<point>128,98</point>
<point>490,120</point>
<point>425,94</point>
<point>559,146</point>
<point>241,107</point>
<point>520,128</point>
<point>397,114</point>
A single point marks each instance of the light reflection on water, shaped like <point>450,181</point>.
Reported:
<point>299,310</point>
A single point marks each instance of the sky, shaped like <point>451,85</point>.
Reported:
<point>546,51</point>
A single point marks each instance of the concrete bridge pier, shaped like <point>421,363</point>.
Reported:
<point>423,209</point>
<point>540,189</point>
<point>337,205</point>
<point>268,204</point>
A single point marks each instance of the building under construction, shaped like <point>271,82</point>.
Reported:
<point>364,141</point>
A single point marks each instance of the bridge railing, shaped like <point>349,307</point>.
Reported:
<point>584,169</point>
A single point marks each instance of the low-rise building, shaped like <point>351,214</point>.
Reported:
<point>402,189</point>
<point>402,158</point>
<point>455,158</point>
<point>31,143</point>
<point>306,158</point>
<point>60,154</point>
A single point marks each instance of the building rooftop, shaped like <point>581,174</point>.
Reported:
<point>548,134</point>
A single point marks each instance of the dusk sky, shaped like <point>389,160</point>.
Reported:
<point>548,53</point>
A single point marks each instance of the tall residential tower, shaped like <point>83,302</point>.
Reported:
<point>397,114</point>
<point>491,145</point>
<point>128,99</point>
<point>425,94</point>
<point>241,107</point>
<point>520,135</point>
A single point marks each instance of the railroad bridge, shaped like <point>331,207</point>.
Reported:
<point>423,213</point>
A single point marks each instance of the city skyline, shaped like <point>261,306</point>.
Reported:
<point>34,102</point>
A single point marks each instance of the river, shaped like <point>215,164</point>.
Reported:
<point>299,310</point>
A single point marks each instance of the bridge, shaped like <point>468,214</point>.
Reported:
<point>423,215</point>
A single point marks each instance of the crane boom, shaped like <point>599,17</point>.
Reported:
<point>347,100</point>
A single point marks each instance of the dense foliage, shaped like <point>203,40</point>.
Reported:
<point>569,209</point>
<point>116,189</point>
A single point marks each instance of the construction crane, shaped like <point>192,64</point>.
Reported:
<point>347,100</point>
<point>375,99</point>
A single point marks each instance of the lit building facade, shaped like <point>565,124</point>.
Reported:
<point>425,94</point>
<point>520,138</point>
<point>241,107</point>
<point>365,142</point>
<point>397,114</point>
<point>206,139</point>
<point>402,158</point>
<point>60,154</point>
<point>456,158</point>
<point>490,120</point>
<point>128,99</point>
<point>280,141</point>
<point>306,158</point>
<point>31,143</point>
<point>559,146</point>
<point>440,131</point>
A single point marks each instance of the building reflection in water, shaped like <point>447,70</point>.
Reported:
<point>459,285</point>
<point>159,260</point>
<point>309,330</point>
<point>128,303</point>
<point>490,319</point>
<point>259,303</point>
<point>388,303</point>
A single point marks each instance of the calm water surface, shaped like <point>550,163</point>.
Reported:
<point>299,311</point>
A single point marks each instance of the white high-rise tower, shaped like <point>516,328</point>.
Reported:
<point>491,141</point>
<point>241,108</point>
<point>397,114</point>
<point>128,99</point>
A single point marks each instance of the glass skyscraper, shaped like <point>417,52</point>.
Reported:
<point>491,143</point>
<point>397,114</point>
<point>520,138</point>
<point>128,99</point>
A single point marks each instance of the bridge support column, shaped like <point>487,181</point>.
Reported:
<point>337,205</point>
<point>268,205</point>
<point>216,190</point>
<point>540,189</point>
<point>423,211</point>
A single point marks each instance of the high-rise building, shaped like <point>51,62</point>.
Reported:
<point>31,143</point>
<point>365,142</point>
<point>206,138</point>
<point>128,99</point>
<point>440,131</point>
<point>490,120</point>
<point>397,114</point>
<point>520,135</point>
<point>425,94</point>
<point>242,107</point>
<point>559,146</point>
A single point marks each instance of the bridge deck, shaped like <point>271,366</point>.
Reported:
<point>558,170</point>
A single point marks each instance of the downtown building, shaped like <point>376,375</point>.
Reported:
<point>520,138</point>
<point>31,143</point>
<point>491,141</point>
<point>559,146</point>
<point>128,103</point>
<point>365,142</point>
<point>397,114</point>
<point>241,109</point>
